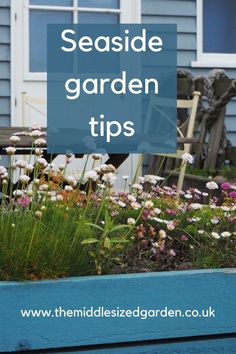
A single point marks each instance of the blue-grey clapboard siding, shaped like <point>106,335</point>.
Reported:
<point>198,289</point>
<point>5,62</point>
<point>183,13</point>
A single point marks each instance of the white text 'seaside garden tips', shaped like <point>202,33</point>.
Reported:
<point>112,88</point>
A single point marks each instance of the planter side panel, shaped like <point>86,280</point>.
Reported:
<point>220,346</point>
<point>175,290</point>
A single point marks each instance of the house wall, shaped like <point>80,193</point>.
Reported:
<point>4,62</point>
<point>183,12</point>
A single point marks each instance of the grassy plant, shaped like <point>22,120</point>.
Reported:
<point>51,228</point>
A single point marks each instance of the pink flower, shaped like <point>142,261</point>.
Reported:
<point>171,212</point>
<point>23,201</point>
<point>146,212</point>
<point>170,226</point>
<point>232,195</point>
<point>225,186</point>
<point>172,253</point>
<point>184,238</point>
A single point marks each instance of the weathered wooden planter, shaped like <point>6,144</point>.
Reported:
<point>183,290</point>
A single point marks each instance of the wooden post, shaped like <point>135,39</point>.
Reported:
<point>214,141</point>
<point>200,145</point>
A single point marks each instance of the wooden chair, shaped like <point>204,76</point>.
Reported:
<point>185,130</point>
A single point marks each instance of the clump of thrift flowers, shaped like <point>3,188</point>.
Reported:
<point>54,224</point>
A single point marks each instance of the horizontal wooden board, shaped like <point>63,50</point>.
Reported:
<point>4,106</point>
<point>4,52</point>
<point>4,34</point>
<point>4,70</point>
<point>4,88</point>
<point>232,137</point>
<point>176,290</point>
<point>4,16</point>
<point>231,108</point>
<point>230,123</point>
<point>26,141</point>
<point>185,57</point>
<point>184,24</point>
<point>4,121</point>
<point>186,41</point>
<point>5,3</point>
<point>210,346</point>
<point>169,7</point>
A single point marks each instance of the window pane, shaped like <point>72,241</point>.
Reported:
<point>219,26</point>
<point>91,17</point>
<point>38,35</point>
<point>52,2</point>
<point>113,4</point>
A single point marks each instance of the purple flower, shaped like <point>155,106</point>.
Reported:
<point>225,186</point>
<point>232,195</point>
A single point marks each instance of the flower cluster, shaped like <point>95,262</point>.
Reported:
<point>147,226</point>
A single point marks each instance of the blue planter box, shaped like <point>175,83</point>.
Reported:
<point>193,290</point>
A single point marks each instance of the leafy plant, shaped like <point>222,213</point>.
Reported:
<point>108,242</point>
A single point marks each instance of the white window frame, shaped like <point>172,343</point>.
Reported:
<point>23,81</point>
<point>209,60</point>
<point>130,12</point>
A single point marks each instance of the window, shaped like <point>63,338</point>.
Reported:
<point>29,19</point>
<point>216,33</point>
<point>42,12</point>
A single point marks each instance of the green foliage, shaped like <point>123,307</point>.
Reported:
<point>50,228</point>
<point>109,242</point>
<point>226,171</point>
